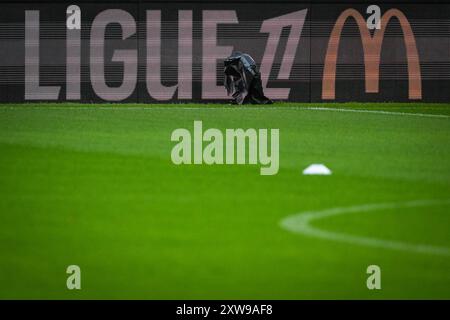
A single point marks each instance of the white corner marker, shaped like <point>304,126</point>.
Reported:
<point>317,169</point>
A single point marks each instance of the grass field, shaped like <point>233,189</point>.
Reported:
<point>94,185</point>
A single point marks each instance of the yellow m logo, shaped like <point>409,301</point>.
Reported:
<point>372,53</point>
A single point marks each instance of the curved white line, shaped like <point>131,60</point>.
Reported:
<point>427,115</point>
<point>300,223</point>
<point>231,108</point>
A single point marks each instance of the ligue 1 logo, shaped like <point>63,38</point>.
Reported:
<point>132,58</point>
<point>211,53</point>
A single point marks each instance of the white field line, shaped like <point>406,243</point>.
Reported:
<point>429,115</point>
<point>301,223</point>
<point>231,108</point>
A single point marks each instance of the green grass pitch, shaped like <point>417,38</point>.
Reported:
<point>94,186</point>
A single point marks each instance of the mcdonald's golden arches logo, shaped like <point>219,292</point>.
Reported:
<point>372,54</point>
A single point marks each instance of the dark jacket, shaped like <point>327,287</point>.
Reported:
<point>243,80</point>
